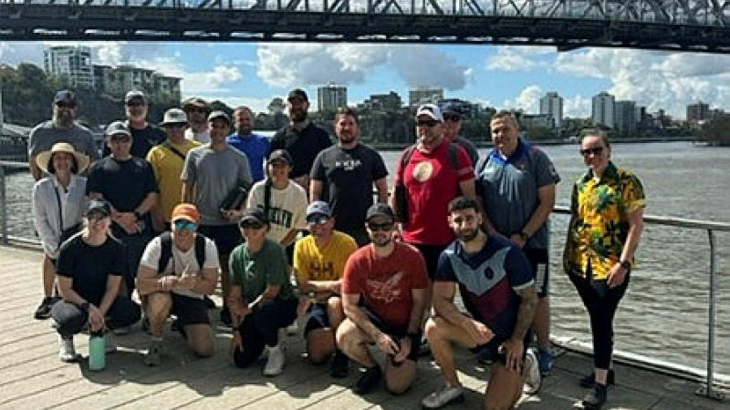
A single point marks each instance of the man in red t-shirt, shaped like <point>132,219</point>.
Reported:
<point>436,172</point>
<point>383,295</point>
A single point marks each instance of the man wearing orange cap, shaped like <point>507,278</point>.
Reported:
<point>176,271</point>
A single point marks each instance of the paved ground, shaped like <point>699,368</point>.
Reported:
<point>32,377</point>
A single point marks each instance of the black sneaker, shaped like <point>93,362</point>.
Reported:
<point>596,397</point>
<point>44,309</point>
<point>369,379</point>
<point>590,380</point>
<point>340,366</point>
<point>226,317</point>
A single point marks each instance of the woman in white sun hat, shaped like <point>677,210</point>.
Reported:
<point>59,202</point>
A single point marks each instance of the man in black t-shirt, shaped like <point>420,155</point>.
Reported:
<point>144,135</point>
<point>128,184</point>
<point>344,174</point>
<point>301,138</point>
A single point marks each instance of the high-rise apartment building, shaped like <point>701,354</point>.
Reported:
<point>331,97</point>
<point>116,81</point>
<point>698,112</point>
<point>603,110</point>
<point>625,117</point>
<point>72,62</point>
<point>423,95</point>
<point>552,106</point>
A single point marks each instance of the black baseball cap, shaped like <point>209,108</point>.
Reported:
<point>280,155</point>
<point>298,93</point>
<point>97,206</point>
<point>380,209</point>
<point>65,97</point>
<point>254,215</point>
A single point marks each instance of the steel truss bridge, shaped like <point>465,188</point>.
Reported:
<point>672,25</point>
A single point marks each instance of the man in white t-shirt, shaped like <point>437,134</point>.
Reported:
<point>172,281</point>
<point>287,202</point>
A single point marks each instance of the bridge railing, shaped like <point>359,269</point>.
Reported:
<point>680,12</point>
<point>708,377</point>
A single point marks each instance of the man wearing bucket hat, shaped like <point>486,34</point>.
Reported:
<point>144,135</point>
<point>59,201</point>
<point>61,128</point>
<point>167,160</point>
<point>301,138</point>
<point>210,174</point>
<point>197,110</point>
<point>173,281</point>
<point>128,184</point>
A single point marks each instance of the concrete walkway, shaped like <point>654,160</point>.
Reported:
<point>32,377</point>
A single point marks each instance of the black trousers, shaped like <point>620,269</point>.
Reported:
<point>601,303</point>
<point>70,319</point>
<point>260,328</point>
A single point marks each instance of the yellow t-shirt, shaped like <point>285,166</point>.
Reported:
<point>312,263</point>
<point>168,166</point>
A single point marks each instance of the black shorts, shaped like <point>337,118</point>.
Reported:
<point>226,237</point>
<point>395,333</point>
<point>189,311</point>
<point>495,353</point>
<point>540,264</point>
<point>431,255</point>
<point>317,318</point>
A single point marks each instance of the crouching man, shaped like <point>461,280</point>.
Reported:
<point>383,294</point>
<point>497,286</point>
<point>177,269</point>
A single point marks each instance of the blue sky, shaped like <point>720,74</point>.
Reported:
<point>500,76</point>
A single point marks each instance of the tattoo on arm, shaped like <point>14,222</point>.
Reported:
<point>526,312</point>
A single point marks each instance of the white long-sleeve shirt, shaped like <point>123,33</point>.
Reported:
<point>46,215</point>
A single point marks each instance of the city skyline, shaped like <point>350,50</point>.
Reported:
<point>500,77</point>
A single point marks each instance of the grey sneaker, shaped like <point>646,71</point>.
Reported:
<point>533,379</point>
<point>66,350</point>
<point>111,343</point>
<point>443,396</point>
<point>275,362</point>
<point>154,354</point>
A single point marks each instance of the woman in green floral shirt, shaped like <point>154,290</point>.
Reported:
<point>607,207</point>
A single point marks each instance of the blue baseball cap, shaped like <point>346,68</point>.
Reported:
<point>319,208</point>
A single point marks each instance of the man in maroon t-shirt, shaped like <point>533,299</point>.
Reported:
<point>383,295</point>
<point>436,172</point>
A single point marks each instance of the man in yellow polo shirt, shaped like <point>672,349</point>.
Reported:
<point>167,160</point>
<point>319,264</point>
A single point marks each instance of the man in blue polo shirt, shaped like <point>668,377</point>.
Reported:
<point>254,146</point>
<point>516,182</point>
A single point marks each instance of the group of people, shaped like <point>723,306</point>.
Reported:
<point>290,228</point>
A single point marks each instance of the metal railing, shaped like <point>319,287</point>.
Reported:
<point>707,390</point>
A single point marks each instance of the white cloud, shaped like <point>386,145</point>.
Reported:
<point>513,58</point>
<point>14,53</point>
<point>289,65</point>
<point>577,107</point>
<point>528,100</point>
<point>219,80</point>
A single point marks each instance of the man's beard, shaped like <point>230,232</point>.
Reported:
<point>63,119</point>
<point>298,115</point>
<point>468,236</point>
<point>346,138</point>
<point>244,130</point>
<point>381,242</point>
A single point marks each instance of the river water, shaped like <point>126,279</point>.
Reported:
<point>665,312</point>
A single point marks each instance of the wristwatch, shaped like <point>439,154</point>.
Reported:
<point>84,306</point>
<point>625,264</point>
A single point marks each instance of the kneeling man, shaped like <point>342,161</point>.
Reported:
<point>383,294</point>
<point>177,269</point>
<point>497,287</point>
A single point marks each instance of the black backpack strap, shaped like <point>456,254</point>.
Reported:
<point>175,151</point>
<point>165,251</point>
<point>267,196</point>
<point>200,250</point>
<point>454,156</point>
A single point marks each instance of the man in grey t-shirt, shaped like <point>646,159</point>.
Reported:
<point>211,172</point>
<point>61,128</point>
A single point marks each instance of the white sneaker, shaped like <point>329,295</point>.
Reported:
<point>533,380</point>
<point>293,328</point>
<point>66,350</point>
<point>443,396</point>
<point>275,362</point>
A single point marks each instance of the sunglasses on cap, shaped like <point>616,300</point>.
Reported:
<point>426,123</point>
<point>251,225</point>
<point>588,151</point>
<point>318,219</point>
<point>385,226</point>
<point>181,224</point>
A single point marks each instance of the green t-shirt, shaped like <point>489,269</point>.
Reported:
<point>254,271</point>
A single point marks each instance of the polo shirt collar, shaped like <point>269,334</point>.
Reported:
<point>522,149</point>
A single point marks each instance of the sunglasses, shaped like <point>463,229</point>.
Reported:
<point>452,118</point>
<point>198,110</point>
<point>251,225</point>
<point>96,216</point>
<point>588,151</point>
<point>318,220</point>
<point>427,123</point>
<point>66,105</point>
<point>181,224</point>
<point>385,226</point>
<point>136,104</point>
<point>181,125</point>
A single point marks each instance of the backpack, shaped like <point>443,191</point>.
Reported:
<point>399,191</point>
<point>166,252</point>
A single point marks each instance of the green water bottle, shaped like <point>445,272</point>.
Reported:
<point>97,351</point>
